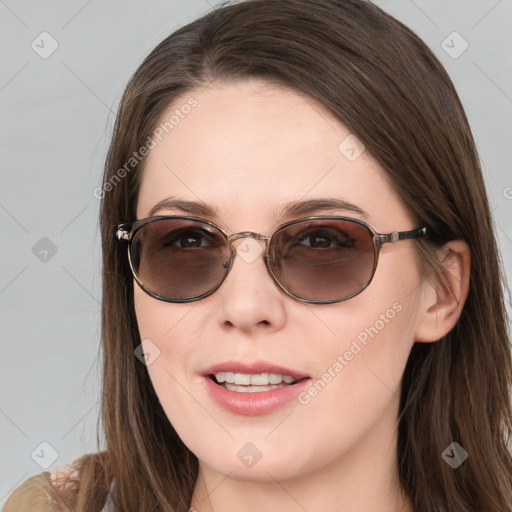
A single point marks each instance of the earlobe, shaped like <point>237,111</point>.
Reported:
<point>442,302</point>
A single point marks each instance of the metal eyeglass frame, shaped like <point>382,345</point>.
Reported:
<point>126,232</point>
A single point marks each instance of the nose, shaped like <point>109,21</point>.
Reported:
<point>249,296</point>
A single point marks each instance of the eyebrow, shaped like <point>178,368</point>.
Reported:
<point>285,212</point>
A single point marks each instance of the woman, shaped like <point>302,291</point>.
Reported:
<point>347,349</point>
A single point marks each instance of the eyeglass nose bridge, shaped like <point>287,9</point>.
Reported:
<point>246,234</point>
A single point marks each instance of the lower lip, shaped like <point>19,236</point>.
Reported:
<point>253,404</point>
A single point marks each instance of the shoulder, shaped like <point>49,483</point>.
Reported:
<point>39,492</point>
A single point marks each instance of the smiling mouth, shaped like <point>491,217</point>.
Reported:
<point>252,383</point>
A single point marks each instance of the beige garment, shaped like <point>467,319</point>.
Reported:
<point>36,494</point>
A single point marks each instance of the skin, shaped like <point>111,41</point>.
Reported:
<point>248,148</point>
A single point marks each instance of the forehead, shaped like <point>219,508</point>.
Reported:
<point>247,149</point>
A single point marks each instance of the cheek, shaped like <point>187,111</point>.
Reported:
<point>158,324</point>
<point>170,337</point>
<point>373,333</point>
<point>152,317</point>
<point>170,331</point>
<point>162,321</point>
<point>364,353</point>
<point>360,359</point>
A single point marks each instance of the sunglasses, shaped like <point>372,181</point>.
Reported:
<point>319,259</point>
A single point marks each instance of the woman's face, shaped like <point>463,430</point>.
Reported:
<point>248,149</point>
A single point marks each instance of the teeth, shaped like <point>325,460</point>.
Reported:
<point>259,379</point>
<point>250,389</point>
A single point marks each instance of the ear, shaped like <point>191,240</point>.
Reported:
<point>442,302</point>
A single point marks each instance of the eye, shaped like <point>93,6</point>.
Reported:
<point>326,239</point>
<point>189,238</point>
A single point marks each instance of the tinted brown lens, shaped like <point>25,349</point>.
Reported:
<point>323,259</point>
<point>179,258</point>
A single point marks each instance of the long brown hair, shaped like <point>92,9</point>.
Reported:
<point>389,89</point>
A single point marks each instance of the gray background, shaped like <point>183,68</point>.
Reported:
<point>56,118</point>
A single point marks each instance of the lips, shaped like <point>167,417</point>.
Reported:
<point>253,368</point>
<point>239,400</point>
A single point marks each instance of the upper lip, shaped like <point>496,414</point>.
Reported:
<point>253,367</point>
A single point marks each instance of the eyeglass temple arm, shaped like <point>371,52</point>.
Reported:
<point>395,236</point>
